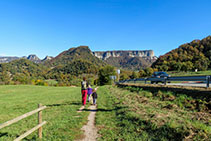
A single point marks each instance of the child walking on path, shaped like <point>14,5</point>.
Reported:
<point>89,92</point>
<point>94,96</point>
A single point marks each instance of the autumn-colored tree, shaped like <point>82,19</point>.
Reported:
<point>142,73</point>
<point>134,75</point>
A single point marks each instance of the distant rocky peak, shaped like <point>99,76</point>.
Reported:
<point>34,58</point>
<point>76,51</point>
<point>81,49</point>
<point>47,58</point>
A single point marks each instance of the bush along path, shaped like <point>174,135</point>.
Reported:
<point>142,115</point>
<point>90,130</point>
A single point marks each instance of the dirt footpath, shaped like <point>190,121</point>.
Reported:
<point>90,131</point>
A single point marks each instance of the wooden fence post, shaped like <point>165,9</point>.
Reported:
<point>40,121</point>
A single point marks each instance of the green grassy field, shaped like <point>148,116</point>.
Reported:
<point>63,121</point>
<point>208,72</point>
<point>142,115</point>
<point>123,114</point>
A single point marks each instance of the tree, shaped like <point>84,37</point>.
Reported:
<point>142,73</point>
<point>149,71</point>
<point>189,66</point>
<point>104,75</point>
<point>177,66</point>
<point>163,68</point>
<point>201,64</point>
<point>5,77</point>
<point>134,75</point>
<point>124,76</point>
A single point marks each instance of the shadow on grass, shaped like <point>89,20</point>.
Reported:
<point>195,93</point>
<point>160,133</point>
<point>31,139</point>
<point>105,110</point>
<point>63,104</point>
<point>6,134</point>
<point>3,134</point>
<point>134,124</point>
<point>27,139</point>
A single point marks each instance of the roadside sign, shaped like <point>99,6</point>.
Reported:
<point>113,77</point>
<point>118,71</point>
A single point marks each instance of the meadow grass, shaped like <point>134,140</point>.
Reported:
<point>122,114</point>
<point>126,115</point>
<point>51,82</point>
<point>189,73</point>
<point>63,121</point>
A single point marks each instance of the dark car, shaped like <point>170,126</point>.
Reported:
<point>158,75</point>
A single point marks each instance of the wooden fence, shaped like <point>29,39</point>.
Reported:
<point>39,126</point>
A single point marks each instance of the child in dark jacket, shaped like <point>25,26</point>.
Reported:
<point>94,96</point>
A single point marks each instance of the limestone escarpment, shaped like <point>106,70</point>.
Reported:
<point>131,59</point>
<point>104,55</point>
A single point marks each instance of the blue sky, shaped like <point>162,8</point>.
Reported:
<point>48,27</point>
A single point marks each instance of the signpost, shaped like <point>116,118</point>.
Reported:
<point>118,73</point>
<point>113,77</point>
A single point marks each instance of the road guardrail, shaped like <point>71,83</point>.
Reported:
<point>206,79</point>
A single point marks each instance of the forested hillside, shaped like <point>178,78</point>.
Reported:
<point>76,68</point>
<point>130,63</point>
<point>67,68</point>
<point>69,56</point>
<point>189,56</point>
<point>21,71</point>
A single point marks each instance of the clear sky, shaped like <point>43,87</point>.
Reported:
<point>48,27</point>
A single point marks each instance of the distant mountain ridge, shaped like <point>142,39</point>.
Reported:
<point>129,59</point>
<point>7,59</point>
<point>31,57</point>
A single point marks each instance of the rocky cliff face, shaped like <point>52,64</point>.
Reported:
<point>47,58</point>
<point>131,59</point>
<point>34,58</point>
<point>104,55</point>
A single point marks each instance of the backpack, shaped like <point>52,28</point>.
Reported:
<point>83,85</point>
